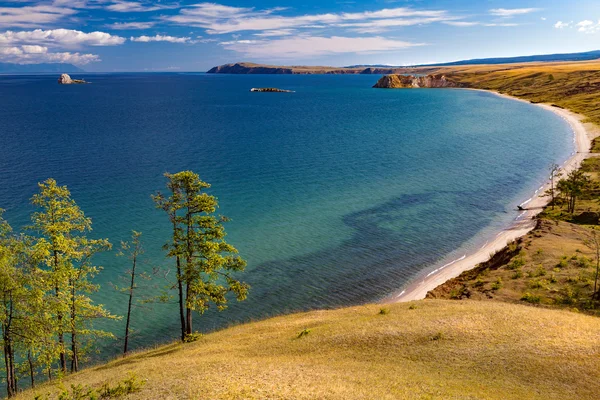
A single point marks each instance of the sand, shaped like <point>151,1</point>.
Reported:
<point>429,280</point>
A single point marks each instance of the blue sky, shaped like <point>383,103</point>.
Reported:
<point>166,35</point>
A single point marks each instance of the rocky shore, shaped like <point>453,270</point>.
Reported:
<point>410,81</point>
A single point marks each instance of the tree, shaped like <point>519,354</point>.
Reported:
<point>594,243</point>
<point>555,173</point>
<point>572,187</point>
<point>171,206</point>
<point>207,261</point>
<point>133,250</point>
<point>66,255</point>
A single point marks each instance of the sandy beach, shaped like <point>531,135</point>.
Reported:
<point>525,222</point>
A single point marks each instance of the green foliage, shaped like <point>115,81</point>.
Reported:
<point>497,285</point>
<point>205,261</point>
<point>540,271</point>
<point>192,337</point>
<point>530,298</point>
<point>384,311</point>
<point>517,274</point>
<point>516,262</point>
<point>412,307</point>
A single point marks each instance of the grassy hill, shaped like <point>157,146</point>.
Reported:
<point>424,350</point>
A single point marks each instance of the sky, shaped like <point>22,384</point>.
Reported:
<point>166,35</point>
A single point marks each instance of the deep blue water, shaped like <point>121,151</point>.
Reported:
<point>338,193</point>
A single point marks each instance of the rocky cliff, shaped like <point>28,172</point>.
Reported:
<point>409,81</point>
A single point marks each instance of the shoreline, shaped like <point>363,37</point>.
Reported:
<point>524,223</point>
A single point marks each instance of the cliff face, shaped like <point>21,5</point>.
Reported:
<point>409,81</point>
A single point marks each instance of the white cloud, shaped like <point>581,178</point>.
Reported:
<point>39,54</point>
<point>276,32</point>
<point>306,46</point>
<point>562,25</point>
<point>464,24</point>
<point>33,16</point>
<point>219,19</point>
<point>60,37</point>
<point>511,12</point>
<point>134,6</point>
<point>588,26</point>
<point>131,25</point>
<point>160,38</point>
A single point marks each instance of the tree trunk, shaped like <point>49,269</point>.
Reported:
<point>188,314</point>
<point>31,369</point>
<point>10,382</point>
<point>129,306</point>
<point>74,355</point>
<point>180,287</point>
<point>59,317</point>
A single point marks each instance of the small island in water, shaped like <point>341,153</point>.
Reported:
<point>65,79</point>
<point>271,90</point>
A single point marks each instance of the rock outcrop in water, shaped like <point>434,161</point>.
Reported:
<point>271,90</point>
<point>410,81</point>
<point>65,79</point>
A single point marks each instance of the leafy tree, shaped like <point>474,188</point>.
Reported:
<point>206,261</point>
<point>555,173</point>
<point>66,256</point>
<point>572,187</point>
<point>594,244</point>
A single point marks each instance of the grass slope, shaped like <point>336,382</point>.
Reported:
<point>427,350</point>
<point>571,85</point>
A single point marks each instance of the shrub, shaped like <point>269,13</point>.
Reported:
<point>497,285</point>
<point>563,263</point>
<point>553,278</point>
<point>518,274</point>
<point>412,307</point>
<point>303,333</point>
<point>192,337</point>
<point>540,271</point>
<point>584,262</point>
<point>516,263</point>
<point>530,298</point>
<point>437,336</point>
<point>384,311</point>
<point>537,284</point>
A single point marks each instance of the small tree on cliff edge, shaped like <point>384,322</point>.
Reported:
<point>206,260</point>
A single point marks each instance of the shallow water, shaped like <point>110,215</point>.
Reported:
<point>338,193</point>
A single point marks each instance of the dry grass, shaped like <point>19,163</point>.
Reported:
<point>571,85</point>
<point>432,350</point>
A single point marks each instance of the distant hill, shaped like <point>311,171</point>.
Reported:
<point>11,68</point>
<point>379,69</point>
<point>590,55</point>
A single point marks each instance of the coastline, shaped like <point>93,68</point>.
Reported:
<point>525,222</point>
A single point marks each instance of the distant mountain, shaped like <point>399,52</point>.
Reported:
<point>11,68</point>
<point>379,69</point>
<point>590,55</point>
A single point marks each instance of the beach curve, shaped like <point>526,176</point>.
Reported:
<point>525,222</point>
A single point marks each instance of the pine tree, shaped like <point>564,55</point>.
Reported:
<point>206,261</point>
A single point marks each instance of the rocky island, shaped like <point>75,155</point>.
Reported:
<point>65,79</point>
<point>410,81</point>
<point>271,90</point>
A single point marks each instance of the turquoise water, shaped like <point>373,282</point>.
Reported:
<point>338,193</point>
